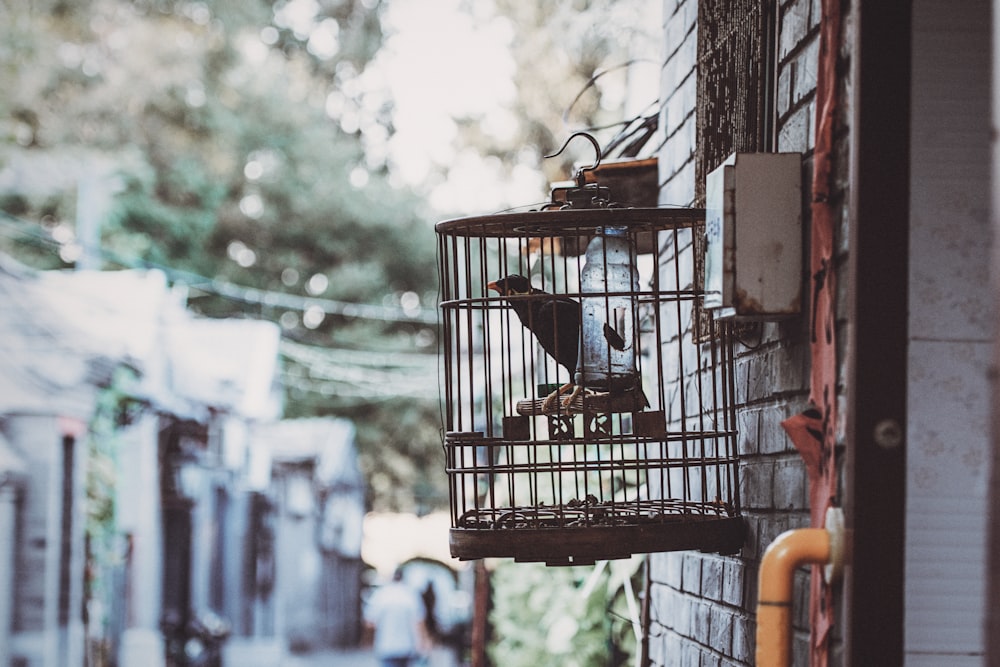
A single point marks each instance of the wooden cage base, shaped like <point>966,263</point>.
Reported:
<point>584,545</point>
<point>584,531</point>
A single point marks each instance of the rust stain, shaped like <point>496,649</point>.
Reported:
<point>748,306</point>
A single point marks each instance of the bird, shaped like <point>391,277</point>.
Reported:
<point>553,320</point>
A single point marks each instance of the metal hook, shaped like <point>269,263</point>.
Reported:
<point>597,153</point>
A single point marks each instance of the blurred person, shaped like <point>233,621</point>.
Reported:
<point>396,614</point>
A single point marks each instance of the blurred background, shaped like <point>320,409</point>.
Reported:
<point>219,412</point>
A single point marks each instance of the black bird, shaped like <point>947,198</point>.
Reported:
<point>554,321</point>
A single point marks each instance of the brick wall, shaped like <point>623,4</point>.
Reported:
<point>702,605</point>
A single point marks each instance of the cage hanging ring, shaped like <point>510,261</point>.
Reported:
<point>597,153</point>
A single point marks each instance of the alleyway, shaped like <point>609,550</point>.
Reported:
<point>330,659</point>
<point>251,655</point>
<point>440,658</point>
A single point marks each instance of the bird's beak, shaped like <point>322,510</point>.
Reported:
<point>493,286</point>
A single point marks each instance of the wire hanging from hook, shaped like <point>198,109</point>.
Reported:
<point>592,82</point>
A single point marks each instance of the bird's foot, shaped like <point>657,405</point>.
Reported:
<point>568,401</point>
<point>566,404</point>
<point>549,404</point>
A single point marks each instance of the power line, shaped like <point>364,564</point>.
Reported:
<point>362,376</point>
<point>241,293</point>
<point>365,376</point>
<point>403,362</point>
<point>270,298</point>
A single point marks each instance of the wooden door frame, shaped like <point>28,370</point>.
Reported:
<point>877,294</point>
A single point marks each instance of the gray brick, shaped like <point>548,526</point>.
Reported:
<point>748,424</point>
<point>674,650</point>
<point>678,190</point>
<point>657,565</point>
<point>760,383</point>
<point>680,607</point>
<point>692,573</point>
<point>673,565</point>
<point>770,528</point>
<point>665,603</point>
<point>711,578</point>
<point>743,639</point>
<point>790,484</point>
<point>756,482</point>
<point>752,523</point>
<point>773,439</point>
<point>657,645</point>
<point>741,370</point>
<point>681,63</point>
<point>793,134</point>
<point>800,649</point>
<point>721,635</point>
<point>689,8</point>
<point>679,147</point>
<point>794,26</point>
<point>783,94</point>
<point>750,586</point>
<point>800,595</point>
<point>815,13</point>
<point>690,654</point>
<point>803,81</point>
<point>732,582</point>
<point>791,369</point>
<point>701,626</point>
<point>670,8</point>
<point>689,90</point>
<point>677,29</point>
<point>770,332</point>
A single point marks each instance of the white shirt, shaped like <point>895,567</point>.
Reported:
<point>395,610</point>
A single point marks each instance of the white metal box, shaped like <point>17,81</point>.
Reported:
<point>753,236</point>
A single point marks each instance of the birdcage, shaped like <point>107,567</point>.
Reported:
<point>586,418</point>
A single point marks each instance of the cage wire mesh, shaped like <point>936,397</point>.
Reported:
<point>643,458</point>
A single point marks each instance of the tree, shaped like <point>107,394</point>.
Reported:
<point>578,616</point>
<point>584,65</point>
<point>207,131</point>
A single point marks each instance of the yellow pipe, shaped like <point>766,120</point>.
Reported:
<point>790,550</point>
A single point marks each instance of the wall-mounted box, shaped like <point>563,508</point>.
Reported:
<point>753,236</point>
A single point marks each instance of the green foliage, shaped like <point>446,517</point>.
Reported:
<point>399,445</point>
<point>569,616</point>
<point>152,231</point>
<point>110,415</point>
<point>32,244</point>
<point>206,127</point>
<point>105,550</point>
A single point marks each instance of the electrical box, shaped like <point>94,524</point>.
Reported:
<point>753,236</point>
